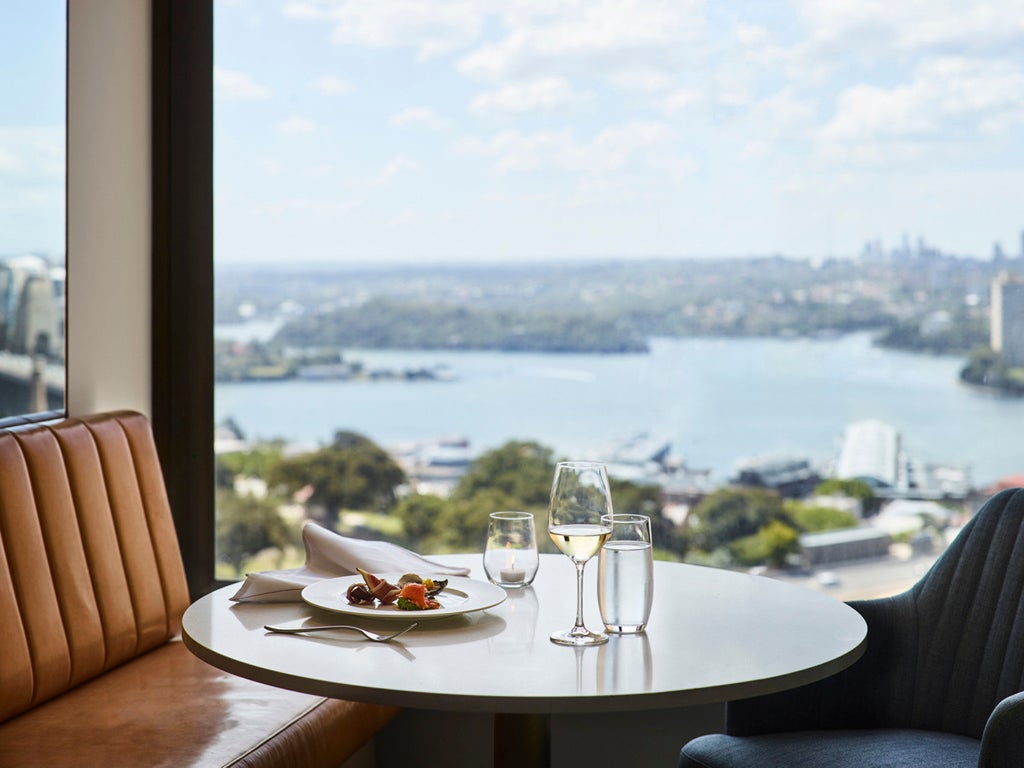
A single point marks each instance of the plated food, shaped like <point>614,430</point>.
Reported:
<point>456,595</point>
<point>412,593</point>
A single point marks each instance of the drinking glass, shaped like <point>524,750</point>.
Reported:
<point>510,556</point>
<point>580,498</point>
<point>625,574</point>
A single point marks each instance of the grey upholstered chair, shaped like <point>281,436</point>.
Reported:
<point>939,685</point>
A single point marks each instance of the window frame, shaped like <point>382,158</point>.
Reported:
<point>182,274</point>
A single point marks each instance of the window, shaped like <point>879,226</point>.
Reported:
<point>32,210</point>
<point>853,172</point>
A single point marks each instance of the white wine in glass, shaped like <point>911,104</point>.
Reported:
<point>580,496</point>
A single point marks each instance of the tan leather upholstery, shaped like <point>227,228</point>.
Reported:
<point>92,590</point>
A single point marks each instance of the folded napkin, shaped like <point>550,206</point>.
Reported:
<point>329,555</point>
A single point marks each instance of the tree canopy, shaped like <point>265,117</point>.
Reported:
<point>729,514</point>
<point>247,525</point>
<point>520,470</point>
<point>352,472</point>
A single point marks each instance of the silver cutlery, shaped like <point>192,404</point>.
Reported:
<point>322,628</point>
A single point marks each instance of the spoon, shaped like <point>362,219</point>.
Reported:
<point>369,635</point>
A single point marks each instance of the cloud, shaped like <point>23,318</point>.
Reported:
<point>559,31</point>
<point>9,161</point>
<point>332,85</point>
<point>610,150</point>
<point>34,154</point>
<point>784,114</point>
<point>298,125</point>
<point>418,117</point>
<point>641,80</point>
<point>679,100</point>
<point>433,28</point>
<point>949,98</point>
<point>913,24</point>
<point>543,93</point>
<point>236,85</point>
<point>395,167</point>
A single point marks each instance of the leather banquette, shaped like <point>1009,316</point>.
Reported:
<point>92,590</point>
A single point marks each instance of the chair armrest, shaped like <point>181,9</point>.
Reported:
<point>868,694</point>
<point>1002,742</point>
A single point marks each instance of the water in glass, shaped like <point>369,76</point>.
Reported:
<point>625,576</point>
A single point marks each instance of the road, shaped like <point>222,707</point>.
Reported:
<point>866,579</point>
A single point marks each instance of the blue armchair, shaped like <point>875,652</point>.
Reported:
<point>941,684</point>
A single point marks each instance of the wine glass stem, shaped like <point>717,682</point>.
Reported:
<point>579,595</point>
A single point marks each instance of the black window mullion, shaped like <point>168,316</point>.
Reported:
<point>182,273</point>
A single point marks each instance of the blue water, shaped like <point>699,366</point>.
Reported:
<point>716,400</point>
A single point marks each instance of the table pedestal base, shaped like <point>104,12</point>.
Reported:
<point>522,740</point>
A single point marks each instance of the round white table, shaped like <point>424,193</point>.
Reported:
<point>713,636</point>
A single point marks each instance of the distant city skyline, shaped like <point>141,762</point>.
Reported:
<point>462,130</point>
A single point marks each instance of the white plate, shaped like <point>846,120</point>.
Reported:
<point>462,595</point>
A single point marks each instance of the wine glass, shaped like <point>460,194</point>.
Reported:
<point>579,497</point>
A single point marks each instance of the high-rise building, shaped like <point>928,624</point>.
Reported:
<point>871,451</point>
<point>1006,334</point>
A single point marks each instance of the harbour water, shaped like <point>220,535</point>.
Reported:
<point>717,401</point>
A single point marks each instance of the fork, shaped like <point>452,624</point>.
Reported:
<point>369,635</point>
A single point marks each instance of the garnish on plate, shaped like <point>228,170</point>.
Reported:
<point>411,594</point>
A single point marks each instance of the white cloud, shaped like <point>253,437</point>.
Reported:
<point>913,24</point>
<point>395,167</point>
<point>641,79</point>
<point>950,97</point>
<point>679,100</point>
<point>36,154</point>
<point>419,117</point>
<point>542,33</point>
<point>784,114</point>
<point>433,28</point>
<point>332,85</point>
<point>610,150</point>
<point>237,85</point>
<point>297,125</point>
<point>9,161</point>
<point>543,93</point>
<point>751,35</point>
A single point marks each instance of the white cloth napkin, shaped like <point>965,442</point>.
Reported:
<point>328,555</point>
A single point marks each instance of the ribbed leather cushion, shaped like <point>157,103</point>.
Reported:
<point>92,590</point>
<point>168,709</point>
<point>90,571</point>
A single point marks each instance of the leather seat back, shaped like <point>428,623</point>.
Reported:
<point>90,571</point>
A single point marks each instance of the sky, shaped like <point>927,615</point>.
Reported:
<point>32,158</point>
<point>422,130</point>
<point>529,129</point>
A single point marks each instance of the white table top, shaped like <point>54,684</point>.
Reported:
<point>713,636</point>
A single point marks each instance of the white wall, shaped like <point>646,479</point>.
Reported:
<point>109,162</point>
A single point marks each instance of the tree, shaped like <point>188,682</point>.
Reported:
<point>462,525</point>
<point>810,518</point>
<point>419,514</point>
<point>728,514</point>
<point>851,488</point>
<point>352,472</point>
<point>631,498</point>
<point>252,463</point>
<point>520,470</point>
<point>772,544</point>
<point>245,526</point>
